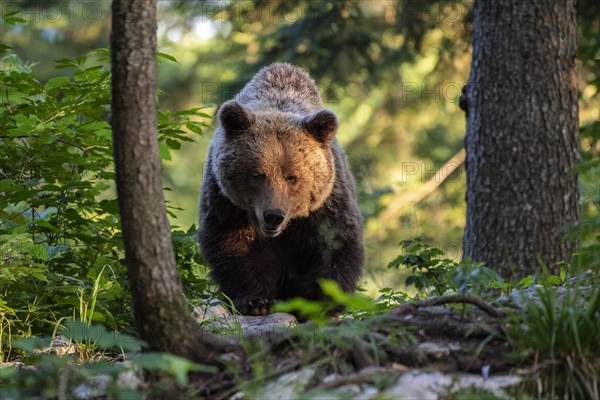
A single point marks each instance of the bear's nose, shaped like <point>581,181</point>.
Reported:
<point>273,218</point>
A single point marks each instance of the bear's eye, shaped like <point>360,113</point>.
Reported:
<point>291,179</point>
<point>259,176</point>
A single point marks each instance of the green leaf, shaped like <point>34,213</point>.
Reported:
<point>354,301</point>
<point>525,282</point>
<point>56,82</point>
<point>65,63</point>
<point>179,367</point>
<point>40,251</point>
<point>313,310</point>
<point>166,57</point>
<point>22,119</point>
<point>7,185</point>
<point>81,60</point>
<point>10,18</point>
<point>80,332</point>
<point>194,127</point>
<point>554,280</point>
<point>45,224</point>
<point>174,144</point>
<point>32,343</point>
<point>4,48</point>
<point>164,152</point>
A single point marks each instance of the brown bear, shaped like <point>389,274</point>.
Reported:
<point>278,206</point>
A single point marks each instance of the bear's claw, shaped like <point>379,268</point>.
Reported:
<point>254,306</point>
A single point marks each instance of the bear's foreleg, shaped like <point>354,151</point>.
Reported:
<point>243,279</point>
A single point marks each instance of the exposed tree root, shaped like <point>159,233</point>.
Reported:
<point>483,305</point>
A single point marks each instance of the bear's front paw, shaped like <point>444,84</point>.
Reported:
<point>253,305</point>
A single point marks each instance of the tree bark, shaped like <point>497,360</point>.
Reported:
<point>162,316</point>
<point>521,140</point>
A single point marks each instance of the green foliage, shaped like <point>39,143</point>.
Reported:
<point>59,233</point>
<point>12,19</point>
<point>47,375</point>
<point>97,335</point>
<point>390,298</point>
<point>177,366</point>
<point>433,273</point>
<point>560,328</point>
<point>61,252</point>
<point>67,377</point>
<point>353,302</point>
<point>191,266</point>
<point>171,132</point>
<point>55,377</point>
<point>319,310</point>
<point>313,310</point>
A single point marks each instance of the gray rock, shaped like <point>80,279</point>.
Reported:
<point>419,385</point>
<point>254,326</point>
<point>210,311</point>
<point>520,298</point>
<point>436,350</point>
<point>436,385</point>
<point>288,386</point>
<point>60,345</point>
<point>217,318</point>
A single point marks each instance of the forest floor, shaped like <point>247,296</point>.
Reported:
<point>426,349</point>
<point>534,343</point>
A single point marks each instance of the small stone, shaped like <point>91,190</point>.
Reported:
<point>60,345</point>
<point>267,324</point>
<point>288,386</point>
<point>436,350</point>
<point>210,311</point>
<point>436,385</point>
<point>420,385</point>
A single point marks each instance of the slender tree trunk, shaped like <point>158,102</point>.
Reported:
<point>162,316</point>
<point>521,139</point>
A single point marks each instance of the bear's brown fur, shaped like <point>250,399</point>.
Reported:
<point>278,204</point>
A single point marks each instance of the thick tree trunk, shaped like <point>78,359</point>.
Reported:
<point>521,139</point>
<point>162,316</point>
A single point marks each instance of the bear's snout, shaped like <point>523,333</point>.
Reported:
<point>271,223</point>
<point>273,218</point>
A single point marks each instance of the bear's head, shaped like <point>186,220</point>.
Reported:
<point>275,165</point>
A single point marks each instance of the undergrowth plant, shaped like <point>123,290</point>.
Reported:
<point>560,331</point>
<point>432,273</point>
<point>77,376</point>
<point>335,301</point>
<point>61,253</point>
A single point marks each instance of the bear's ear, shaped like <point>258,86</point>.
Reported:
<point>234,117</point>
<point>322,125</point>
